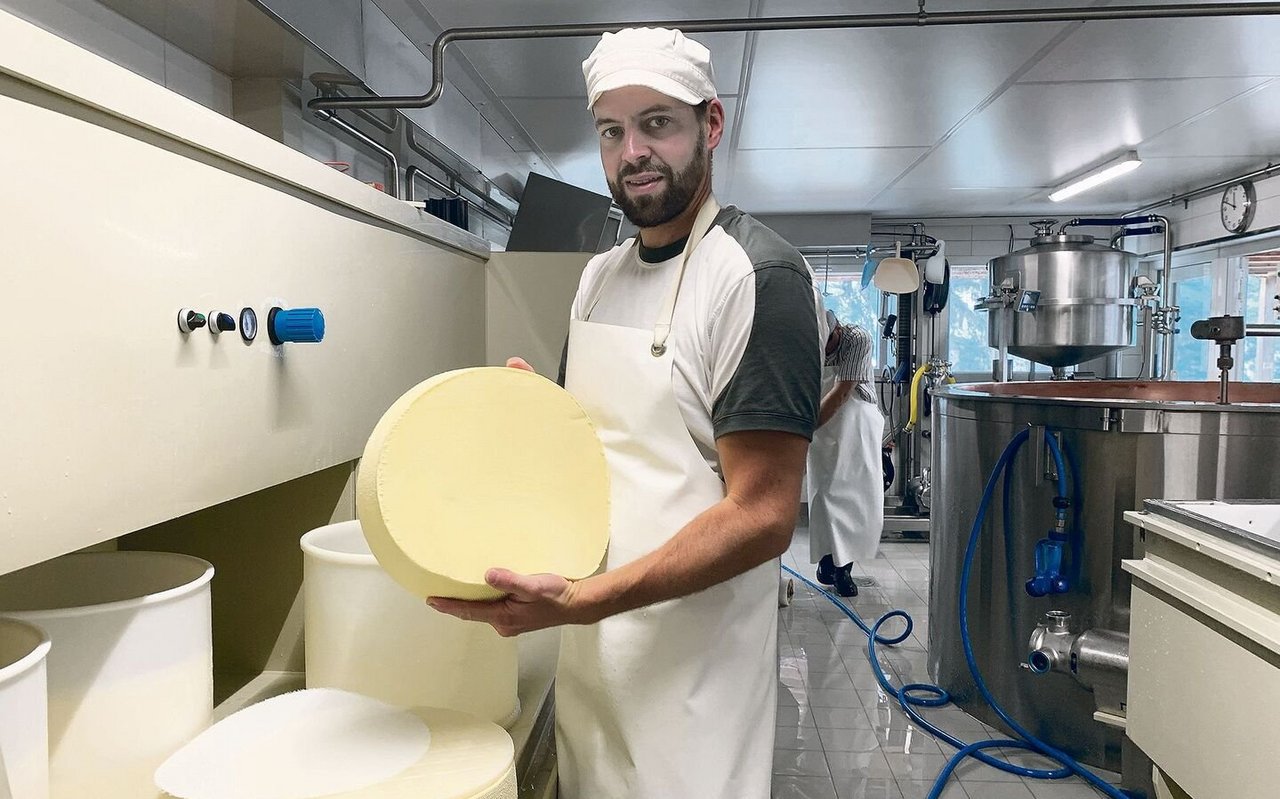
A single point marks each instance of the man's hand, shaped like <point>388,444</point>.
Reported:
<point>532,602</point>
<point>519,363</point>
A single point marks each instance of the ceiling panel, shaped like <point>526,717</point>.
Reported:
<point>1042,134</point>
<point>813,181</point>
<point>833,118</point>
<point>780,8</point>
<point>553,67</point>
<point>1248,125</point>
<point>947,202</point>
<point>878,88</point>
<point>1183,48</point>
<point>476,13</point>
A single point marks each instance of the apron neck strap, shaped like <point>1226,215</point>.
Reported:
<point>701,224</point>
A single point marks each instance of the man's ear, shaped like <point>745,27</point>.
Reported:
<point>715,123</point>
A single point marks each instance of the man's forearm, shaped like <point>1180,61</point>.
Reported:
<point>722,542</point>
<point>834,399</point>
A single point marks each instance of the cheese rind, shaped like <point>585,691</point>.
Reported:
<point>481,468</point>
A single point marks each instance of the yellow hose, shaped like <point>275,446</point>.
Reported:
<point>914,417</point>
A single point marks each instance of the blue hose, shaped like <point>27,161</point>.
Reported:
<point>927,695</point>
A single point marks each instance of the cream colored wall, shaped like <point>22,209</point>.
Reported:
<point>528,296</point>
<point>114,421</point>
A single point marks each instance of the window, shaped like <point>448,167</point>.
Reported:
<point>969,353</point>
<point>1246,286</point>
<point>1192,292</point>
<point>843,294</point>
<point>1258,358</point>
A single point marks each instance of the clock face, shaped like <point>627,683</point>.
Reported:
<point>1238,206</point>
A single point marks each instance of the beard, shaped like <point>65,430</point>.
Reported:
<point>652,210</point>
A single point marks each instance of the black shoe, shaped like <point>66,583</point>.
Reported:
<point>826,570</point>
<point>844,584</point>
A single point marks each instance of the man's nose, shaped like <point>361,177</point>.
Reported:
<point>635,146</point>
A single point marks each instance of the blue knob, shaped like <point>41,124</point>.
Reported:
<point>296,324</point>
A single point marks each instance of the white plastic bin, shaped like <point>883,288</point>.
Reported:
<point>130,669</point>
<point>366,634</point>
<point>24,711</point>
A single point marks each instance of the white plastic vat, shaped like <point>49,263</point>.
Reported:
<point>131,665</point>
<point>24,709</point>
<point>366,634</point>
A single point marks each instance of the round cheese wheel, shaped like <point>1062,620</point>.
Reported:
<point>482,468</point>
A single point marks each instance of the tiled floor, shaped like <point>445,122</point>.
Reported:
<point>839,736</point>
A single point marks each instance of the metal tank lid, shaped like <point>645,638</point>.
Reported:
<point>1167,395</point>
<point>1061,238</point>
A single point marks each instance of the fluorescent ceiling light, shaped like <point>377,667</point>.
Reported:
<point>1108,171</point>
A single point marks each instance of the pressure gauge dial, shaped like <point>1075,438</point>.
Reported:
<point>1239,202</point>
<point>248,325</point>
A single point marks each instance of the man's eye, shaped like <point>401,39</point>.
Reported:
<point>658,122</point>
<point>610,133</point>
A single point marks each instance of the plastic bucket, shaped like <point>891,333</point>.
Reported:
<point>366,634</point>
<point>131,667</point>
<point>24,711</point>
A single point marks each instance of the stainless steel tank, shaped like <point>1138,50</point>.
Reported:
<point>1126,441</point>
<point>1084,309</point>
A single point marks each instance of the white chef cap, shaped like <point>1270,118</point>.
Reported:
<point>661,59</point>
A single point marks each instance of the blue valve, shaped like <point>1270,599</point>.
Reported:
<point>299,325</point>
<point>1049,578</point>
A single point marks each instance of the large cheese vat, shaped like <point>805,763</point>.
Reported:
<point>1125,441</point>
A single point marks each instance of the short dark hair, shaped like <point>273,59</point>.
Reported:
<point>700,110</point>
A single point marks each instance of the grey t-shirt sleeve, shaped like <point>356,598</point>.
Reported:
<point>765,342</point>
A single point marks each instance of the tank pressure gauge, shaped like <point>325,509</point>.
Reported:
<point>248,325</point>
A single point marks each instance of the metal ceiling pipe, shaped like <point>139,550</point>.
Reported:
<point>360,136</point>
<point>1258,174</point>
<point>826,22</point>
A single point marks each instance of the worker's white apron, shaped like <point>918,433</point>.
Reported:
<point>676,700</point>
<point>846,483</point>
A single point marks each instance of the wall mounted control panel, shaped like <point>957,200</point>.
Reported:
<point>284,325</point>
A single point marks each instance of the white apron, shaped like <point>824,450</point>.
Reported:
<point>846,483</point>
<point>676,700</point>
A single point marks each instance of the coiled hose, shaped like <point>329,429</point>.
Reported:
<point>915,695</point>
